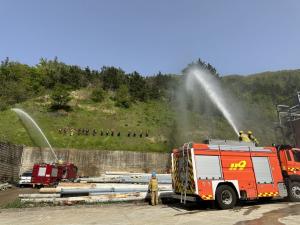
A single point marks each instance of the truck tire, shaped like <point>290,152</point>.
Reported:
<point>294,192</point>
<point>226,197</point>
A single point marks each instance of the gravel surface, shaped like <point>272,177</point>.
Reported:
<point>12,194</point>
<point>276,213</point>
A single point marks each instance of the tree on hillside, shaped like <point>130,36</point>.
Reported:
<point>60,98</point>
<point>58,73</point>
<point>15,83</point>
<point>203,65</point>
<point>162,85</point>
<point>123,97</point>
<point>138,87</point>
<point>112,78</point>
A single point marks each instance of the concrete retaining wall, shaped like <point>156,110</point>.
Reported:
<point>10,160</point>
<point>95,162</point>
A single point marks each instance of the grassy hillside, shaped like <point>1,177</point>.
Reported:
<point>154,117</point>
<point>259,94</point>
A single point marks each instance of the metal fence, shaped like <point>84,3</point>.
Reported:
<point>10,161</point>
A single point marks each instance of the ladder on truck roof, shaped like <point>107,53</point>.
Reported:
<point>184,183</point>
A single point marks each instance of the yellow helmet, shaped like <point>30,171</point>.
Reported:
<point>241,132</point>
<point>249,132</point>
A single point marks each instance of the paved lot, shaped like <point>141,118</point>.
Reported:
<point>143,214</point>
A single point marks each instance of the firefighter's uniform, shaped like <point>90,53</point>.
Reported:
<point>252,138</point>
<point>153,188</point>
<point>243,137</point>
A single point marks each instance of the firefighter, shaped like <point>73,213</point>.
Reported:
<point>255,142</point>
<point>252,138</point>
<point>153,189</point>
<point>71,131</point>
<point>243,137</point>
<point>240,135</point>
<point>94,132</point>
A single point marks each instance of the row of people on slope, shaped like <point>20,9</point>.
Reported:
<point>248,137</point>
<point>94,132</point>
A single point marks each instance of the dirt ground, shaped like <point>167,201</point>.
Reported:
<point>11,195</point>
<point>275,213</point>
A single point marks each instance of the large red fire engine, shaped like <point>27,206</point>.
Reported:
<point>226,171</point>
<point>50,174</point>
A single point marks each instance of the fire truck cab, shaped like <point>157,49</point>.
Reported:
<point>289,159</point>
<point>226,171</point>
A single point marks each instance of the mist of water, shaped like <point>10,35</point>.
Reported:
<point>34,130</point>
<point>214,91</point>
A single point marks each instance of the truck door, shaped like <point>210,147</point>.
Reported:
<point>42,174</point>
<point>208,168</point>
<point>263,175</point>
<point>294,166</point>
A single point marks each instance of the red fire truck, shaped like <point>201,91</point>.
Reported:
<point>226,171</point>
<point>50,174</point>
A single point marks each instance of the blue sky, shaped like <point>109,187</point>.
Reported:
<point>237,37</point>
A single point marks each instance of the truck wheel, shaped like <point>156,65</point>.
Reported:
<point>294,192</point>
<point>226,197</point>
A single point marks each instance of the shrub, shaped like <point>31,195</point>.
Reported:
<point>98,95</point>
<point>60,98</point>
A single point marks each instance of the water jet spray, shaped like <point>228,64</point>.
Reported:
<point>213,89</point>
<point>29,123</point>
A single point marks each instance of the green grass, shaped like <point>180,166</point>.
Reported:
<point>14,204</point>
<point>153,116</point>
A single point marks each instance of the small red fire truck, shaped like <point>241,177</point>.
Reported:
<point>226,171</point>
<point>50,174</point>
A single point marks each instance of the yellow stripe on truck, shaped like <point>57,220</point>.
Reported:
<point>268,194</point>
<point>207,197</point>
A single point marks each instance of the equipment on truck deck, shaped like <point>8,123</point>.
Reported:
<point>289,120</point>
<point>228,171</point>
<point>50,174</point>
